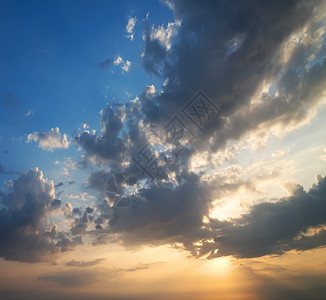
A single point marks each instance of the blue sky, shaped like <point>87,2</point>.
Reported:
<point>50,67</point>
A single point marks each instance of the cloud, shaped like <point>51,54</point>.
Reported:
<point>108,146</point>
<point>84,264</point>
<point>67,209</point>
<point>24,232</point>
<point>199,60</point>
<point>60,184</point>
<point>118,61</point>
<point>252,62</point>
<point>71,279</point>
<point>139,267</point>
<point>125,65</point>
<point>49,140</point>
<point>130,28</point>
<point>85,277</point>
<point>161,215</point>
<point>165,215</point>
<point>80,224</point>
<point>165,35</point>
<point>274,228</point>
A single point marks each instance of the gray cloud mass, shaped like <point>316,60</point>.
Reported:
<point>229,50</point>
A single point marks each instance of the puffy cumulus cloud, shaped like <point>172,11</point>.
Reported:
<point>263,65</point>
<point>49,140</point>
<point>24,232</point>
<point>130,28</point>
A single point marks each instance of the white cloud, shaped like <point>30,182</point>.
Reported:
<point>130,28</point>
<point>165,35</point>
<point>126,66</point>
<point>49,140</point>
<point>118,61</point>
<point>135,100</point>
<point>150,90</point>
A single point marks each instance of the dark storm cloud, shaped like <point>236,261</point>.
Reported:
<point>25,207</point>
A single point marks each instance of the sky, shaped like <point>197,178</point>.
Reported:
<point>162,149</point>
